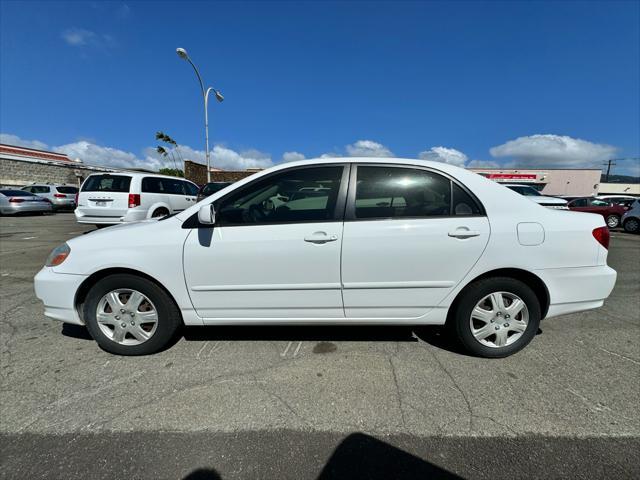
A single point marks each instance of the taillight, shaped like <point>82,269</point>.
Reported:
<point>59,195</point>
<point>601,234</point>
<point>134,200</point>
<point>16,200</point>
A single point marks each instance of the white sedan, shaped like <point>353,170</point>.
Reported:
<point>335,242</point>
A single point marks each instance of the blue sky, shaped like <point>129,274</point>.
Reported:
<point>478,83</point>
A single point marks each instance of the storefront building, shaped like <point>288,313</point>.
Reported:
<point>549,181</point>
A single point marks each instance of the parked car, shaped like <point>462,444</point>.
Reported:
<point>336,241</point>
<point>631,218</point>
<point>108,199</point>
<point>19,201</point>
<point>61,196</point>
<point>624,200</point>
<point>611,213</point>
<point>535,196</point>
<point>210,188</point>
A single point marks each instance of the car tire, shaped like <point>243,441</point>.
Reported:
<point>632,225</point>
<point>143,338</point>
<point>160,212</point>
<point>501,338</point>
<point>613,221</point>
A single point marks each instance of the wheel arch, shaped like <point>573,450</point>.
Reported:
<point>532,280</point>
<point>157,206</point>
<point>85,286</point>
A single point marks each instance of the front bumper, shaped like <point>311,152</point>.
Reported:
<point>58,291</point>
<point>577,289</point>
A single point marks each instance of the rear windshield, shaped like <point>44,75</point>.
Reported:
<point>106,183</point>
<point>67,189</point>
<point>16,193</point>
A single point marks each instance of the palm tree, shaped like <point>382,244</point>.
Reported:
<point>167,139</point>
<point>162,151</point>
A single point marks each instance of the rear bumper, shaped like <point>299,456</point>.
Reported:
<point>131,216</point>
<point>57,291</point>
<point>577,289</point>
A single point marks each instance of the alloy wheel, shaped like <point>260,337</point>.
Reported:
<point>127,317</point>
<point>499,319</point>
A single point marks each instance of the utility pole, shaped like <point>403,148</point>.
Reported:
<point>608,163</point>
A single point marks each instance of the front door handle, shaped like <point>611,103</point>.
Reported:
<point>320,237</point>
<point>464,233</point>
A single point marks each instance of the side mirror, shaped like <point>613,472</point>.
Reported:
<point>207,214</point>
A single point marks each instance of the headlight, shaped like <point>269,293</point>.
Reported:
<point>58,255</point>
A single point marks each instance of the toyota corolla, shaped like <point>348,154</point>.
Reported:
<point>336,241</point>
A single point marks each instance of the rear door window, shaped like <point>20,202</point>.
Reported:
<point>107,183</point>
<point>153,185</point>
<point>40,189</point>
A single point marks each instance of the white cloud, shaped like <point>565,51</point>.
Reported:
<point>93,154</point>
<point>554,151</point>
<point>445,155</point>
<point>292,156</point>
<point>482,164</point>
<point>10,139</point>
<point>368,148</point>
<point>79,37</point>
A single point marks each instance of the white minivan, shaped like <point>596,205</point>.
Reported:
<point>112,198</point>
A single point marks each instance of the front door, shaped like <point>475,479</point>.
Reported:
<point>410,236</point>
<point>274,252</point>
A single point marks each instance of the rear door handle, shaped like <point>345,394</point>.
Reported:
<point>320,237</point>
<point>464,233</point>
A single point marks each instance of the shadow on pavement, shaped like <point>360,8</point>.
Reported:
<point>76,331</point>
<point>364,333</point>
<point>361,456</point>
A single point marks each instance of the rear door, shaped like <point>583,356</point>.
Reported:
<point>104,195</point>
<point>410,236</point>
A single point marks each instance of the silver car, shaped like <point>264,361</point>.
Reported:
<point>631,218</point>
<point>19,201</point>
<point>62,197</point>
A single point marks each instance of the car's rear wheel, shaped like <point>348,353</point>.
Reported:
<point>632,225</point>
<point>130,315</point>
<point>496,317</point>
<point>613,221</point>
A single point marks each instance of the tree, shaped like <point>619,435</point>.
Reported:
<point>163,137</point>
<point>172,172</point>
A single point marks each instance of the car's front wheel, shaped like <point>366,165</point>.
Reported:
<point>130,315</point>
<point>496,317</point>
<point>613,221</point>
<point>632,225</point>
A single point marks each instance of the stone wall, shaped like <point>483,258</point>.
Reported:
<point>17,173</point>
<point>197,173</point>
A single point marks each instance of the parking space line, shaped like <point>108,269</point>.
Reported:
<point>284,354</point>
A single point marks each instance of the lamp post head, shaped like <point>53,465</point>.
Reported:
<point>182,53</point>
<point>219,96</point>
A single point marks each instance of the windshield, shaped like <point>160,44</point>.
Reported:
<point>525,190</point>
<point>107,183</point>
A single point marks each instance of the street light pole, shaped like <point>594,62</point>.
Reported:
<point>182,53</point>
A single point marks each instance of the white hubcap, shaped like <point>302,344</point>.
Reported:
<point>499,319</point>
<point>127,317</point>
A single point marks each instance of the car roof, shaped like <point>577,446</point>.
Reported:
<point>139,175</point>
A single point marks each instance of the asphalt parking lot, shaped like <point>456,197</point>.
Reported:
<point>287,402</point>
